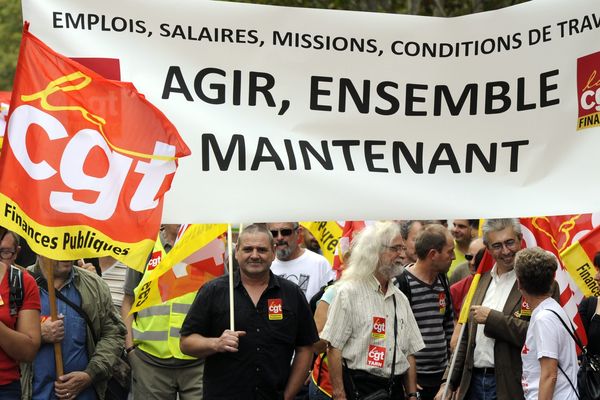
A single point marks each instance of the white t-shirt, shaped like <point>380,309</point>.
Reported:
<point>310,271</point>
<point>547,337</point>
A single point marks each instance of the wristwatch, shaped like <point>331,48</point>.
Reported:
<point>413,395</point>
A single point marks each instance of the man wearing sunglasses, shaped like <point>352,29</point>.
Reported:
<point>488,363</point>
<point>306,269</point>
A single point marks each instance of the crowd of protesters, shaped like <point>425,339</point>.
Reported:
<point>386,327</point>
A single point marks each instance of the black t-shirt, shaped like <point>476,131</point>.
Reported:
<point>261,367</point>
<point>592,327</point>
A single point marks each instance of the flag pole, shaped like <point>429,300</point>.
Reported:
<point>230,268</point>
<point>453,362</point>
<point>49,272</point>
<point>464,317</point>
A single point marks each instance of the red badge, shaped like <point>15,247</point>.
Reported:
<point>588,91</point>
<point>154,260</point>
<point>376,356</point>
<point>442,302</point>
<point>275,309</point>
<point>378,331</point>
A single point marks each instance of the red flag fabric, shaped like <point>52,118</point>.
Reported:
<point>350,229</point>
<point>85,162</point>
<point>555,234</point>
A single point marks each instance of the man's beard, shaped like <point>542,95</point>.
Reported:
<point>284,253</point>
<point>390,270</point>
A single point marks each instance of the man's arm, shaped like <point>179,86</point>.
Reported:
<point>111,336</point>
<point>127,319</point>
<point>334,357</point>
<point>410,377</point>
<point>300,367</point>
<point>548,376</point>
<point>200,346</point>
<point>506,328</point>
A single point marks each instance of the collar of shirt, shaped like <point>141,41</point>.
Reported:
<point>374,284</point>
<point>505,276</point>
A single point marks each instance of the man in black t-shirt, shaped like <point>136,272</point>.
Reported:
<point>273,323</point>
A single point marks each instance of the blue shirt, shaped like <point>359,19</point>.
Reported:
<point>74,350</point>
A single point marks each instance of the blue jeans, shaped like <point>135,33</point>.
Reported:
<point>482,387</point>
<point>315,394</point>
<point>10,391</point>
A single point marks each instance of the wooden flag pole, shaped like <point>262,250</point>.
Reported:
<point>230,267</point>
<point>49,272</point>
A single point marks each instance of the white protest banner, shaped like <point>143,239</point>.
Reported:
<point>303,114</point>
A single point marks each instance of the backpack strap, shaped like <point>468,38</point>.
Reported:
<point>16,290</point>
<point>572,333</point>
<point>446,286</point>
<point>592,304</point>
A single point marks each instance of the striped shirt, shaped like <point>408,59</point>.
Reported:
<point>360,323</point>
<point>429,306</point>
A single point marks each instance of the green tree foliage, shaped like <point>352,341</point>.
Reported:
<point>11,25</point>
<point>10,37</point>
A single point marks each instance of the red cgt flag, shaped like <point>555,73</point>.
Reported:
<point>86,161</point>
<point>555,234</point>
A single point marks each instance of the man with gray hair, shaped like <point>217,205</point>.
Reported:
<point>307,269</point>
<point>488,362</point>
<point>371,332</point>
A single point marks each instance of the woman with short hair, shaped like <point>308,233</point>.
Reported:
<point>549,355</point>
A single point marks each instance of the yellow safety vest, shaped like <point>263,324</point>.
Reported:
<point>156,329</point>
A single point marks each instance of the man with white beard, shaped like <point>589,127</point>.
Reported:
<point>371,332</point>
<point>309,270</point>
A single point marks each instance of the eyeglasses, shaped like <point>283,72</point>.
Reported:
<point>469,257</point>
<point>397,248</point>
<point>5,254</point>
<point>283,232</point>
<point>510,244</point>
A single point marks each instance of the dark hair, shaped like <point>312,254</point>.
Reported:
<point>4,232</point>
<point>432,237</point>
<point>256,228</point>
<point>597,260</point>
<point>535,269</point>
<point>474,223</point>
<point>406,225</point>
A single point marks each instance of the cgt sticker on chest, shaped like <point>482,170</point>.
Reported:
<point>275,309</point>
<point>378,331</point>
<point>442,302</point>
<point>376,356</point>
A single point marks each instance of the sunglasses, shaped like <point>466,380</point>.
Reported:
<point>283,232</point>
<point>469,257</point>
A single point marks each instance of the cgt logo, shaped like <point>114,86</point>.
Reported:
<point>588,91</point>
<point>275,308</point>
<point>86,164</point>
<point>378,327</point>
<point>154,260</point>
<point>376,356</point>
